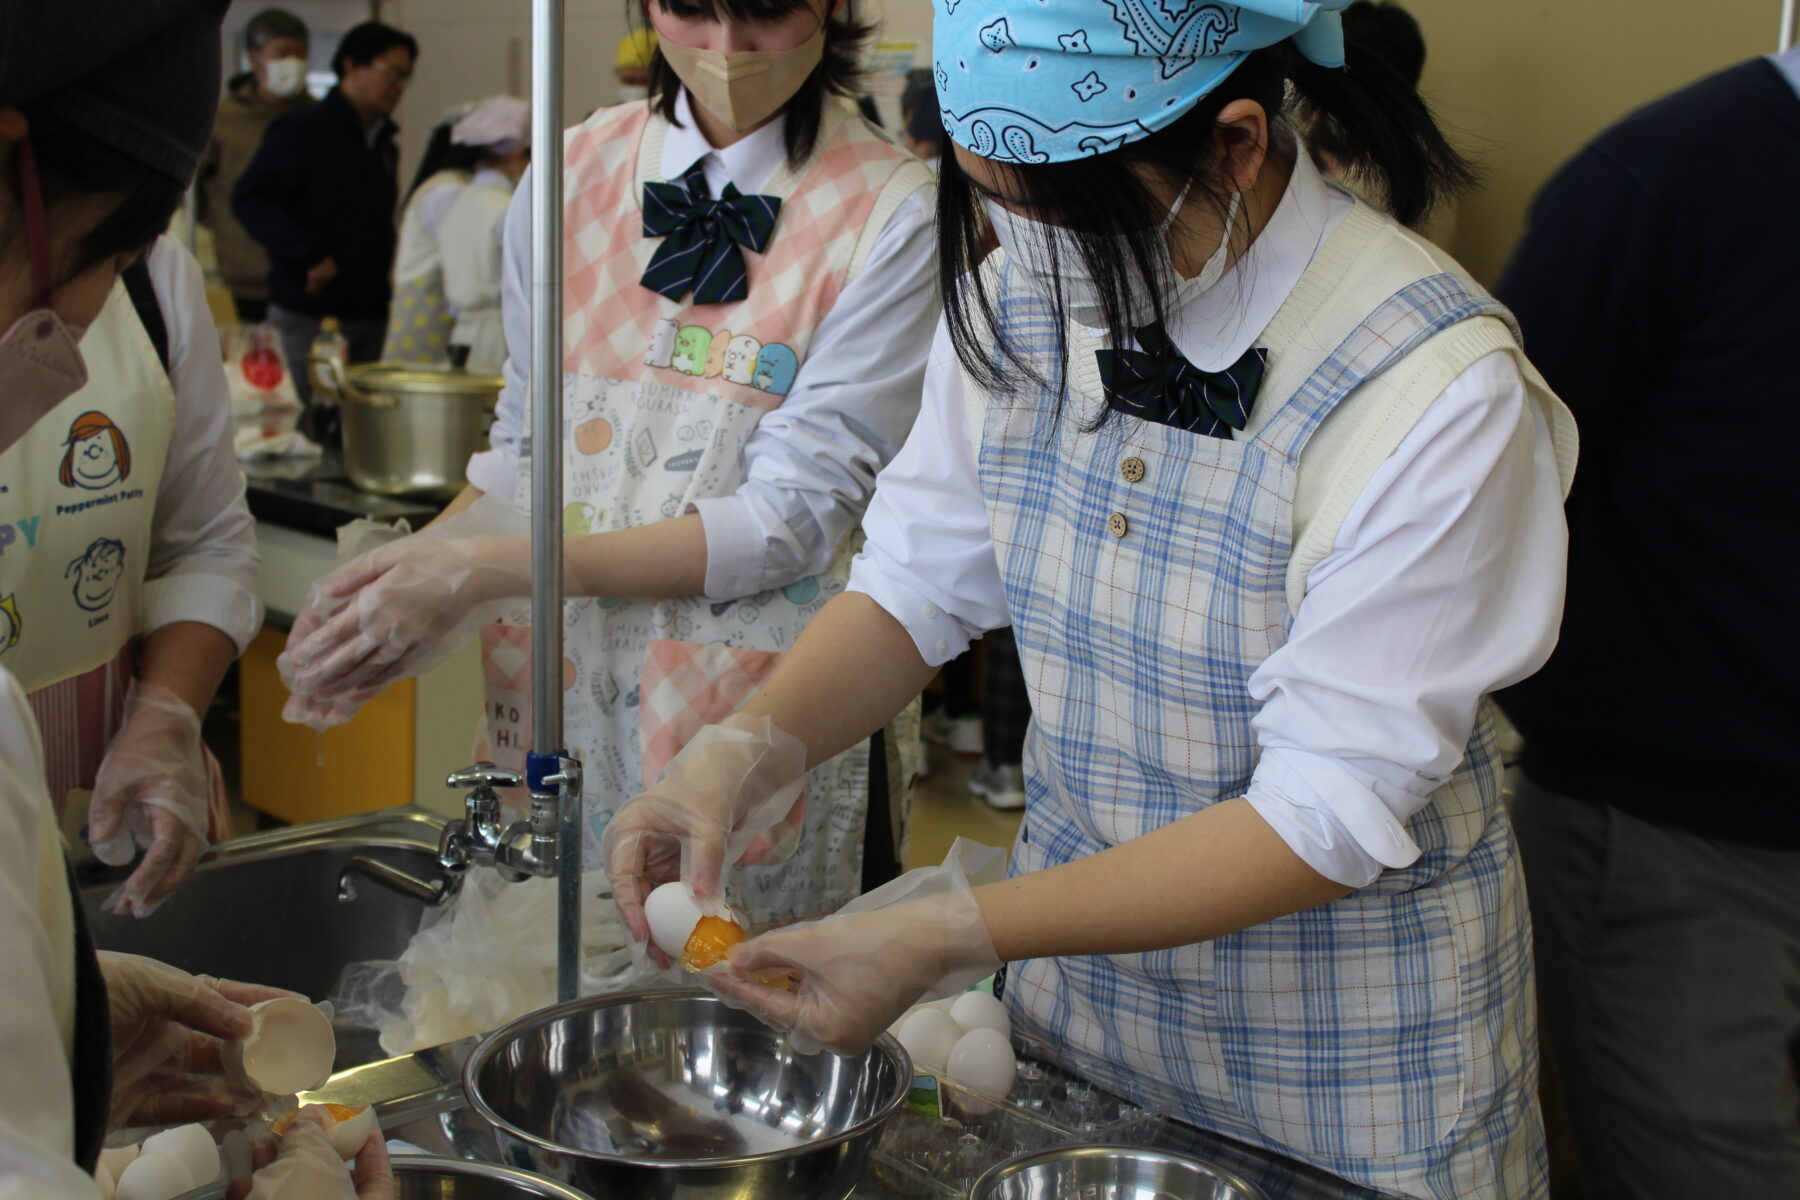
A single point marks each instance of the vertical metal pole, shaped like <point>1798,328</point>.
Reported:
<point>1787,24</point>
<point>546,475</point>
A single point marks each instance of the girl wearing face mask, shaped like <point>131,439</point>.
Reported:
<point>123,549</point>
<point>1272,501</point>
<point>751,289</point>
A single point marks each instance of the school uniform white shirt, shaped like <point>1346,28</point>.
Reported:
<point>812,462</point>
<point>203,562</point>
<point>1445,581</point>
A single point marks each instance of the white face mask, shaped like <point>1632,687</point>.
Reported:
<point>1034,246</point>
<point>285,77</point>
<point>631,92</point>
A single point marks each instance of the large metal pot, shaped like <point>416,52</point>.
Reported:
<point>408,430</point>
<point>670,1094</point>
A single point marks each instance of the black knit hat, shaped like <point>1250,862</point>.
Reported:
<point>140,76</point>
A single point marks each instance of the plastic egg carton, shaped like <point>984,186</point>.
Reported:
<point>948,1134</point>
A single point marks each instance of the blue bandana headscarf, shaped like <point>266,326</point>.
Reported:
<point>1055,80</point>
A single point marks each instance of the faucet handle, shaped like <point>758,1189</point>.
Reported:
<point>484,776</point>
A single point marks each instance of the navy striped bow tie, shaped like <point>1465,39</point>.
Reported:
<point>701,237</point>
<point>1157,384</point>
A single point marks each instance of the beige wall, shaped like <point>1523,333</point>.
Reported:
<point>1527,84</point>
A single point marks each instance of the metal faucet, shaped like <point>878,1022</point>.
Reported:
<point>479,837</point>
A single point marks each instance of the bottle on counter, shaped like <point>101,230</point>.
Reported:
<point>322,421</point>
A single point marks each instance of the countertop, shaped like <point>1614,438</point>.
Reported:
<point>315,496</point>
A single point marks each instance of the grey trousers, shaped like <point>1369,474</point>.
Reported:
<point>297,331</point>
<point>1669,990</point>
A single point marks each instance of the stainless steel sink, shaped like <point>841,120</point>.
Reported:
<point>265,909</point>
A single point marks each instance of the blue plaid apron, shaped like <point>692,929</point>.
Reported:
<point>1389,1037</point>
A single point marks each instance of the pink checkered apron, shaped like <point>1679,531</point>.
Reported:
<point>660,397</point>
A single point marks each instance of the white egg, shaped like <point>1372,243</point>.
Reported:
<point>154,1177</point>
<point>116,1158</point>
<point>290,1049</point>
<point>104,1178</point>
<point>979,1010</point>
<point>928,1036</point>
<point>193,1145</point>
<point>349,1134</point>
<point>672,914</point>
<point>983,1061</point>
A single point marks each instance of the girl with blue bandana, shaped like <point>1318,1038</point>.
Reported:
<point>1272,502</point>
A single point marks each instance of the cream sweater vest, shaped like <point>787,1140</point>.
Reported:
<point>1365,261</point>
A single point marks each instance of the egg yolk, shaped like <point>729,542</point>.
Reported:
<point>710,942</point>
<point>339,1113</point>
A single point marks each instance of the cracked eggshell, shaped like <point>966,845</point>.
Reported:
<point>671,911</point>
<point>349,1134</point>
<point>290,1049</point>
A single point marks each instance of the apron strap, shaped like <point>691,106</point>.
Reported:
<point>91,1070</point>
<point>149,310</point>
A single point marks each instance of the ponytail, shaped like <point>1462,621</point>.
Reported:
<point>1369,118</point>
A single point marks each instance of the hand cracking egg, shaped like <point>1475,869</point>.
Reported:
<point>695,935</point>
<point>349,1127</point>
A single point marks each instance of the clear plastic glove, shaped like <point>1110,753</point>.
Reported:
<point>303,1165</point>
<point>152,792</point>
<point>853,973</point>
<point>398,610</point>
<point>168,1030</point>
<point>732,784</point>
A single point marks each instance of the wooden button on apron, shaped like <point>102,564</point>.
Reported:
<point>1132,469</point>
<point>1117,525</point>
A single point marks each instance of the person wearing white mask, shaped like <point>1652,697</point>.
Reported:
<point>499,131</point>
<point>103,115</point>
<point>276,43</point>
<point>1272,501</point>
<point>750,292</point>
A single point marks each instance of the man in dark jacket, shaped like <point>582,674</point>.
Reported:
<point>321,196</point>
<point>275,84</point>
<point>1657,817</point>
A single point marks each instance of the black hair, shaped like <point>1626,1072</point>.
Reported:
<point>74,167</point>
<point>442,154</point>
<point>368,42</point>
<point>1114,217</point>
<point>1382,29</point>
<point>839,72</point>
<point>919,104</point>
<point>272,23</point>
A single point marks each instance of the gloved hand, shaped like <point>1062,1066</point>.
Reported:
<point>152,791</point>
<point>168,1028</point>
<point>920,937</point>
<point>303,1164</point>
<point>398,610</point>
<point>732,784</point>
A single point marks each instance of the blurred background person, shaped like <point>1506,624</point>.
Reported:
<point>631,67</point>
<point>277,44</point>
<point>420,319</point>
<point>1655,814</point>
<point>499,132</point>
<point>320,196</point>
<point>921,124</point>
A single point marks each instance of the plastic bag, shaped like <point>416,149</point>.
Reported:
<point>487,958</point>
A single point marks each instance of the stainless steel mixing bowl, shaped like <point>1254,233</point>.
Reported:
<point>1109,1173</point>
<point>672,1095</point>
<point>421,1178</point>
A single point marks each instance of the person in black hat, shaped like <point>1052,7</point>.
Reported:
<point>104,108</point>
<point>321,196</point>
